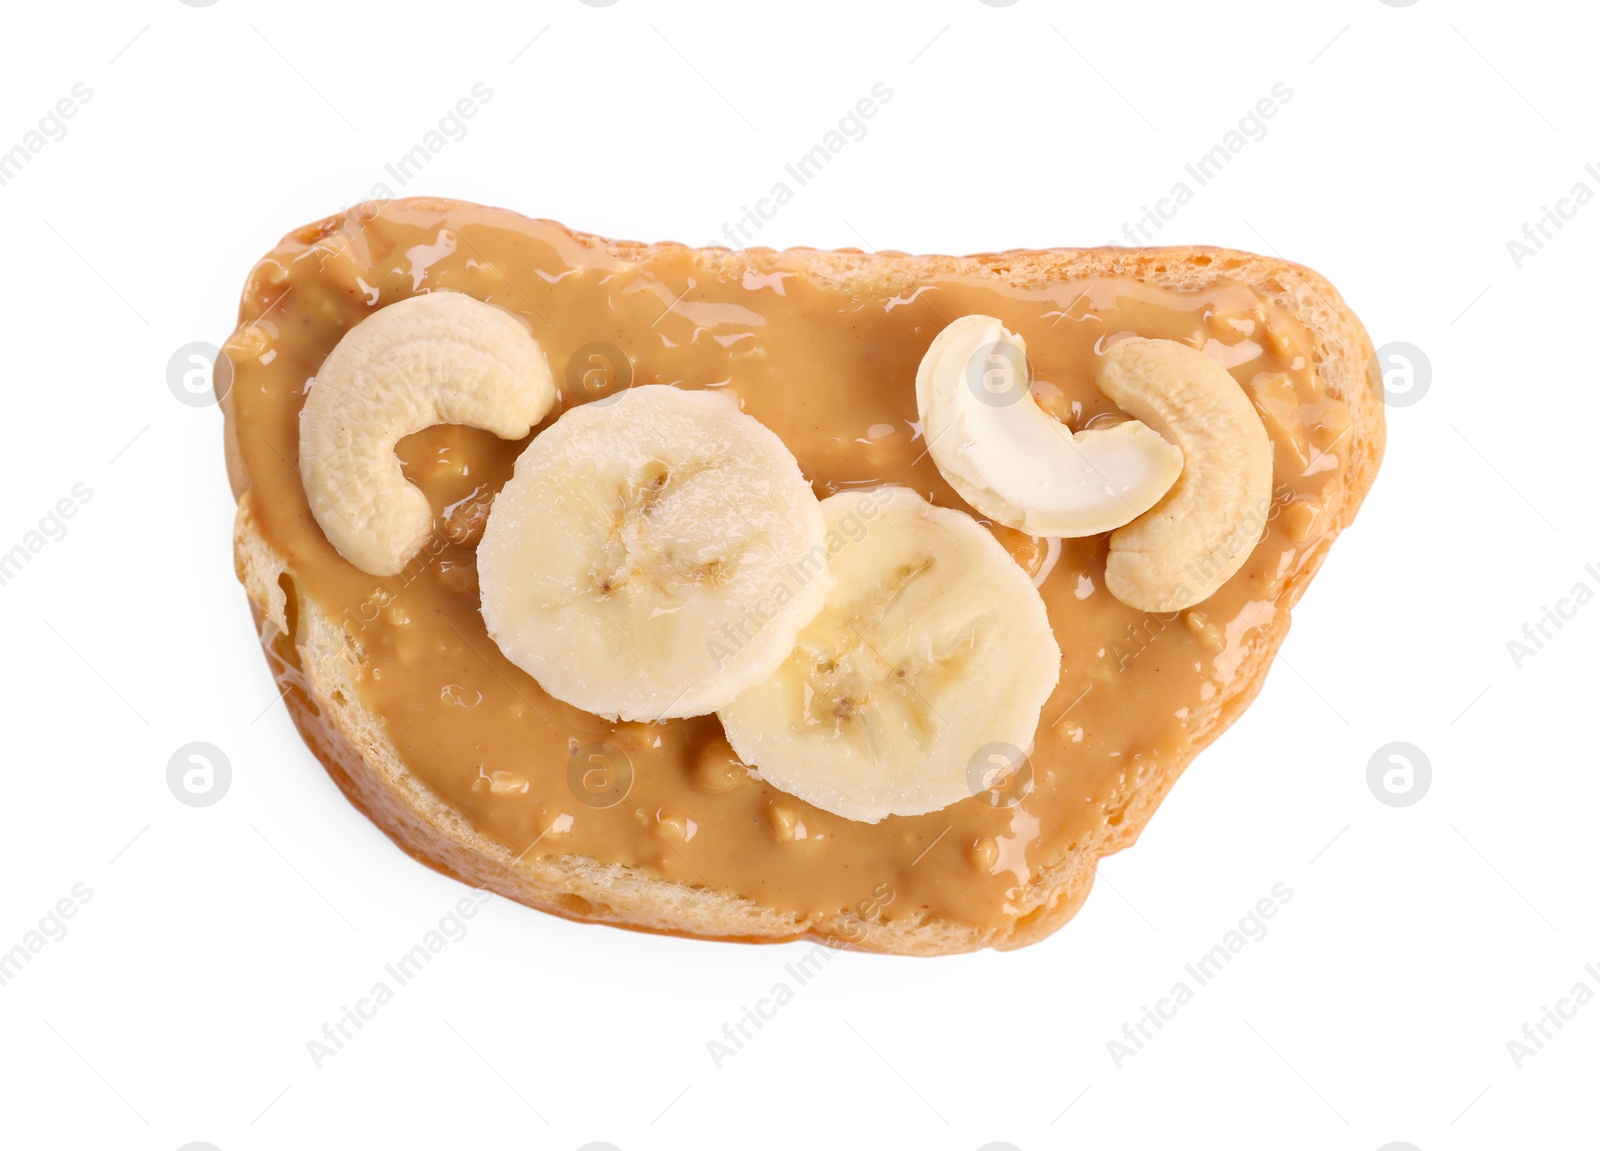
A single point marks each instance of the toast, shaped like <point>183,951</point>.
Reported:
<point>866,318</point>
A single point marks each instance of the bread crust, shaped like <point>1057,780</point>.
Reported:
<point>309,653</point>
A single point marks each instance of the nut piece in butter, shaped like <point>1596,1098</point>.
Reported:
<point>787,824</point>
<point>676,826</point>
<point>1205,630</point>
<point>717,770</point>
<point>1300,518</point>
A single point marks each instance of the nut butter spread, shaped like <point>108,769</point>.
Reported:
<point>830,369</point>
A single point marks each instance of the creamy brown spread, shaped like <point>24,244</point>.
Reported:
<point>831,371</point>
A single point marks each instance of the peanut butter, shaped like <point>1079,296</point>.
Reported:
<point>831,372</point>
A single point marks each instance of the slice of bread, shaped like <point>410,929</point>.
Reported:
<point>310,652</point>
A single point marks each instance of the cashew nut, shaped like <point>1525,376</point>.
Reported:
<point>439,358</point>
<point>1011,460</point>
<point>1186,547</point>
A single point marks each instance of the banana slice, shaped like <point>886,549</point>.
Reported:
<point>1015,464</point>
<point>933,646</point>
<point>1189,545</point>
<point>652,556</point>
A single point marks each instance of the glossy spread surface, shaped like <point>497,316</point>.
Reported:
<point>831,371</point>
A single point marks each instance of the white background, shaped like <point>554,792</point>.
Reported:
<point>219,940</point>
